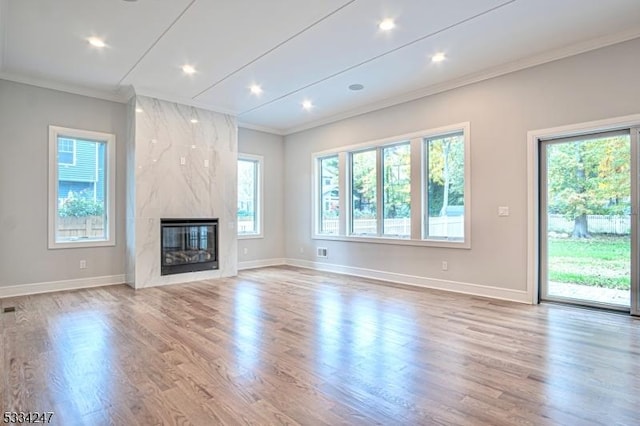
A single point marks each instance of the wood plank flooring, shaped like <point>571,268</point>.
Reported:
<point>293,346</point>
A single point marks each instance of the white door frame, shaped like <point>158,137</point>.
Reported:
<point>533,190</point>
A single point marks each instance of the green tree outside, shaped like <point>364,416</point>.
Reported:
<point>589,177</point>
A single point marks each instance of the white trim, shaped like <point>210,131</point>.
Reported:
<point>259,128</point>
<point>122,96</point>
<point>262,263</point>
<point>413,280</point>
<point>489,73</point>
<point>259,207</point>
<point>533,188</point>
<point>110,191</point>
<point>416,140</point>
<point>183,101</point>
<point>392,240</point>
<point>75,89</point>
<point>64,285</point>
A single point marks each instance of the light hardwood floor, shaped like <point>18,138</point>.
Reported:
<point>293,346</point>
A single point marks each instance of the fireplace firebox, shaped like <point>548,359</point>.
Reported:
<point>188,245</point>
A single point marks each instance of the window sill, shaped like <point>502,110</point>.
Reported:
<point>81,244</point>
<point>395,241</point>
<point>250,236</point>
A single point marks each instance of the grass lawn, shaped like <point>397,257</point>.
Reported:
<point>598,261</point>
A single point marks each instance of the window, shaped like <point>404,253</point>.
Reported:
<point>410,189</point>
<point>249,196</point>
<point>81,188</point>
<point>444,177</point>
<point>329,195</point>
<point>364,193</point>
<point>66,152</point>
<point>396,185</point>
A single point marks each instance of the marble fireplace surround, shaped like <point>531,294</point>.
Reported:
<point>181,163</point>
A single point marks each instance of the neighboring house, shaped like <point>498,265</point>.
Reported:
<point>80,169</point>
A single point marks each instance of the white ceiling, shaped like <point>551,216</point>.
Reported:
<point>295,49</point>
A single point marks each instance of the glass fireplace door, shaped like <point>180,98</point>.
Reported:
<point>188,245</point>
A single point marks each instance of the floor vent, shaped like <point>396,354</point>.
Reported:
<point>9,309</point>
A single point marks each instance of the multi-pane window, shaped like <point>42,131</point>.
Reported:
<point>419,179</point>
<point>66,151</point>
<point>249,195</point>
<point>81,188</point>
<point>329,195</point>
<point>364,192</point>
<point>396,187</point>
<point>444,175</point>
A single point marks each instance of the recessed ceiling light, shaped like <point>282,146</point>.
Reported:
<point>194,120</point>
<point>139,110</point>
<point>256,89</point>
<point>307,104</point>
<point>96,42</point>
<point>188,69</point>
<point>356,87</point>
<point>387,25</point>
<point>438,57</point>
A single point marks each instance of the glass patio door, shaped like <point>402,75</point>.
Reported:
<point>588,215</point>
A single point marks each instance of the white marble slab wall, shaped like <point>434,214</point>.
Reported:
<point>185,167</point>
<point>130,147</point>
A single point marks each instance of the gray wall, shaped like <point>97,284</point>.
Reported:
<point>271,147</point>
<point>25,114</point>
<point>591,86</point>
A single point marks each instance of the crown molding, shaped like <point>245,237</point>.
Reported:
<point>126,92</point>
<point>259,128</point>
<point>123,93</point>
<point>489,73</point>
<point>75,89</point>
<point>183,101</point>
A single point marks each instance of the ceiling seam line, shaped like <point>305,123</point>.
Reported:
<point>262,55</point>
<point>374,58</point>
<point>156,41</point>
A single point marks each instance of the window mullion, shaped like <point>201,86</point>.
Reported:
<point>343,189</point>
<point>417,189</point>
<point>379,193</point>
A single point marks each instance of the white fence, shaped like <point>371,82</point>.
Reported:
<point>452,226</point>
<point>597,224</point>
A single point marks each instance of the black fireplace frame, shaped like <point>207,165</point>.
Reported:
<point>188,267</point>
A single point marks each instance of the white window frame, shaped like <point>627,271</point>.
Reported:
<point>467,196</point>
<point>419,213</point>
<point>317,188</point>
<point>259,204</point>
<point>110,182</point>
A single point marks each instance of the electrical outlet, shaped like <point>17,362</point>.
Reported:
<point>301,249</point>
<point>245,250</point>
<point>83,264</point>
<point>321,252</point>
<point>445,265</point>
<point>503,211</point>
<point>183,161</point>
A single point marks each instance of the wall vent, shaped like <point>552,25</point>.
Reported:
<point>322,252</point>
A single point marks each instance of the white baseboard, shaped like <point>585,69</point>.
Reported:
<point>433,283</point>
<point>262,263</point>
<point>51,286</point>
